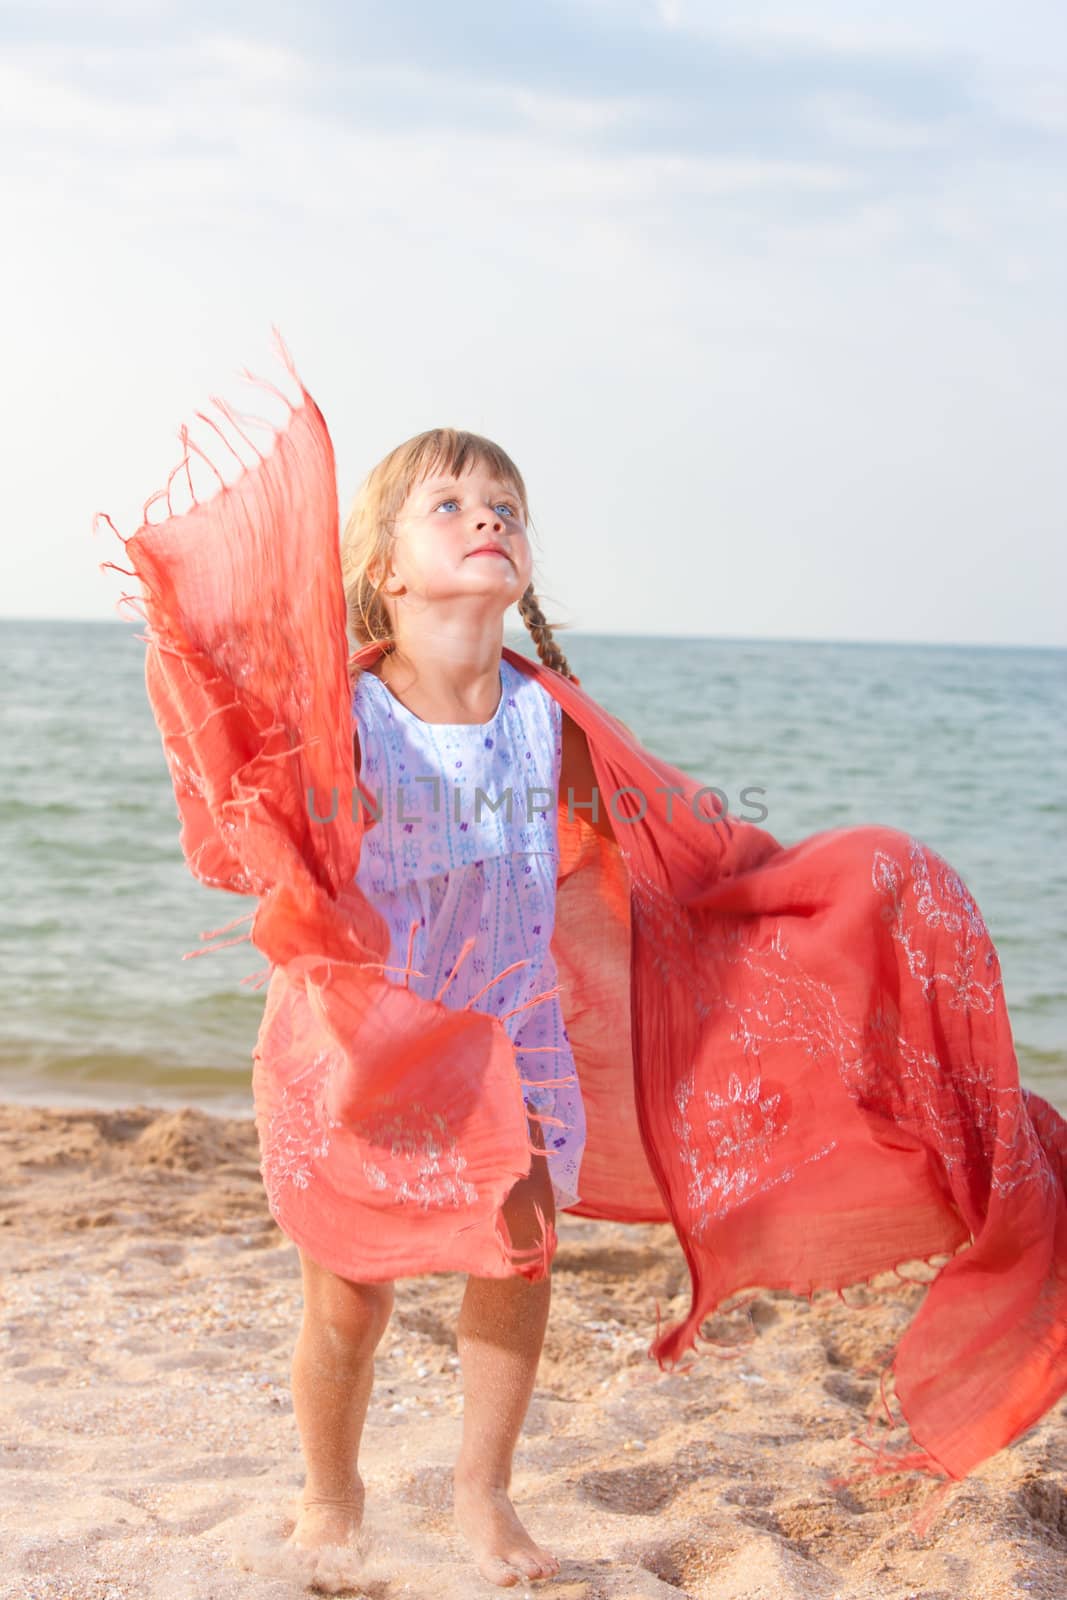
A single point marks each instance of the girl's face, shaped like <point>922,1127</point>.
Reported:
<point>461,538</point>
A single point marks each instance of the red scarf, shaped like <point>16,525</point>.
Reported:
<point>801,1057</point>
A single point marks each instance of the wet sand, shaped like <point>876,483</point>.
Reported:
<point>148,1446</point>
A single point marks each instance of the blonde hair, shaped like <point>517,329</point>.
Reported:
<point>371,526</point>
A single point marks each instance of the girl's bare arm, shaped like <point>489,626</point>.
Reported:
<point>576,773</point>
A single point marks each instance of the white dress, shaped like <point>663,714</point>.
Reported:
<point>446,855</point>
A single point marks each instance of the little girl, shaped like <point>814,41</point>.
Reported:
<point>799,1056</point>
<point>435,552</point>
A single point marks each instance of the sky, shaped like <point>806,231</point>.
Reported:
<point>766,301</point>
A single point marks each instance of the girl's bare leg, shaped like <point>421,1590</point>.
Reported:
<point>332,1375</point>
<point>500,1334</point>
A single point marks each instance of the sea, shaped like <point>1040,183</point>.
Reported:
<point>106,996</point>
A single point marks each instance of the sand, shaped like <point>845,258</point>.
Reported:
<point>149,1449</point>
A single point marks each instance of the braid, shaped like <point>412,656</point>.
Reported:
<point>541,632</point>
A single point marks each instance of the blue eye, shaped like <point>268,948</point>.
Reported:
<point>508,507</point>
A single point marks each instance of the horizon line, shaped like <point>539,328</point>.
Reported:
<point>690,638</point>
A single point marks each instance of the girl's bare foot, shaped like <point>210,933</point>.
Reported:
<point>328,1520</point>
<point>503,1550</point>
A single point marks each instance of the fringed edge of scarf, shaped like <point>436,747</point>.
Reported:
<point>237,420</point>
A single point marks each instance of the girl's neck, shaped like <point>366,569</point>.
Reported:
<point>440,688</point>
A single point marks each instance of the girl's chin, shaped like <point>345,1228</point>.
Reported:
<point>490,563</point>
<point>504,592</point>
<point>494,573</point>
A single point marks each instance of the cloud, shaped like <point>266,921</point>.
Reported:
<point>953,30</point>
<point>255,63</point>
<point>700,82</point>
<point>853,121</point>
<point>34,100</point>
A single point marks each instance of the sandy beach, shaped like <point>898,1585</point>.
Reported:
<point>149,1448</point>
